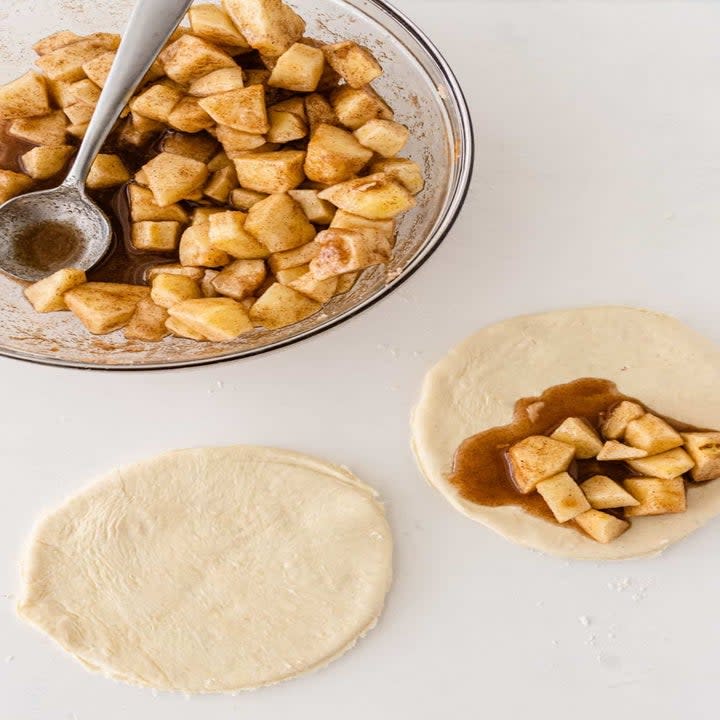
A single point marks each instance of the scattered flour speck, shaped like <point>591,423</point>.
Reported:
<point>620,585</point>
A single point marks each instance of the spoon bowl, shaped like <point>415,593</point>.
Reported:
<point>45,231</point>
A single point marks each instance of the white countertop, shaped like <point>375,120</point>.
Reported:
<point>597,181</point>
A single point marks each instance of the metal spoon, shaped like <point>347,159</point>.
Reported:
<point>66,210</point>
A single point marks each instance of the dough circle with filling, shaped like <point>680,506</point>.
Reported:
<point>211,570</point>
<point>650,356</point>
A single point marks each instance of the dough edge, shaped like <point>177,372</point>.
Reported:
<point>454,404</point>
<point>339,473</point>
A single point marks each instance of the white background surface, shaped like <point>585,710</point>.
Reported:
<point>597,181</point>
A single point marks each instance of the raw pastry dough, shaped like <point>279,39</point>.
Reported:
<point>650,356</point>
<point>211,570</point>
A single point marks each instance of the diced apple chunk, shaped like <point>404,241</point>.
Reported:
<point>538,458</point>
<point>653,434</point>
<point>85,91</point>
<point>66,63</point>
<point>354,107</point>
<point>377,197</point>
<point>279,223</point>
<point>45,130</point>
<point>319,111</point>
<point>317,211</point>
<point>656,496</point>
<point>148,322</point>
<point>78,113</point>
<point>237,141</point>
<point>385,137</point>
<point>196,249</point>
<point>578,433</point>
<point>202,215</point>
<point>294,105</point>
<point>334,155</point>
<point>129,136</point>
<point>285,277</point>
<point>344,251</point>
<point>285,126</point>
<point>318,290</point>
<point>168,290</point>
<point>198,147</point>
<point>155,236</point>
<point>220,162</point>
<point>60,92</point>
<point>206,284</point>
<point>217,319</point>
<point>602,527</point>
<point>667,465</point>
<point>563,496</point>
<point>603,493</point>
<point>615,451</point>
<point>55,41</point>
<point>157,101</point>
<point>105,307</point>
<point>269,26</point>
<point>218,82</point>
<point>302,255</point>
<point>107,171</point>
<point>196,273</point>
<point>240,279</point>
<point>174,177</point>
<point>271,172</point>
<point>348,221</point>
<point>704,449</point>
<point>98,67</point>
<point>13,184</point>
<point>43,163</point>
<point>228,233</point>
<point>298,69</point>
<point>355,64</point>
<point>187,116</point>
<point>214,25</point>
<point>190,58</point>
<point>280,306</point>
<point>25,97</point>
<point>221,184</point>
<point>47,295</point>
<point>78,131</point>
<point>405,171</point>
<point>616,422</point>
<point>143,207</point>
<point>243,109</point>
<point>183,330</point>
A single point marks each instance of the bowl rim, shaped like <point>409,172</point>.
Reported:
<point>456,203</point>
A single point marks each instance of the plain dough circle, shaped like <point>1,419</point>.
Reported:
<point>650,356</point>
<point>211,570</point>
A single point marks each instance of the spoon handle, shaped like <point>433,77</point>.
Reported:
<point>150,25</point>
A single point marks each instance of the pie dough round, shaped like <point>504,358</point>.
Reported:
<point>650,356</point>
<point>211,570</point>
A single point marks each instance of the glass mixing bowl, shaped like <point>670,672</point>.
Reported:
<point>418,84</point>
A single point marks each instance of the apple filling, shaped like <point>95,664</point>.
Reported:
<point>251,179</point>
<point>585,455</point>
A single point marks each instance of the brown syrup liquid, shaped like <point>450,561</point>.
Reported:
<point>47,245</point>
<point>481,472</point>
